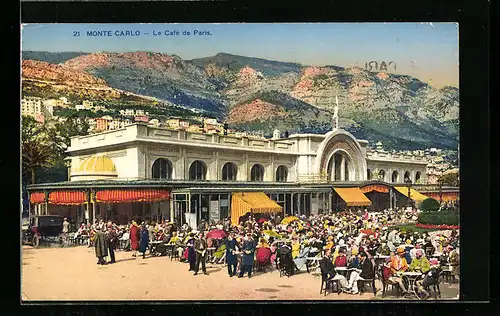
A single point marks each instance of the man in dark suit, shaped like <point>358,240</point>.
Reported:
<point>248,256</point>
<point>366,272</point>
<point>200,247</point>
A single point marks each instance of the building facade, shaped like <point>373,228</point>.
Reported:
<point>193,175</point>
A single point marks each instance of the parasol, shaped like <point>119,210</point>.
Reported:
<point>271,233</point>
<point>289,219</point>
<point>216,234</point>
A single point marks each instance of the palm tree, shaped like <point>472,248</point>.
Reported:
<point>36,155</point>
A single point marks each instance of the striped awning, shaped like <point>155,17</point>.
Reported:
<point>375,187</point>
<point>130,196</point>
<point>37,197</point>
<point>353,196</point>
<point>67,197</point>
<point>446,196</point>
<point>414,194</point>
<point>254,202</point>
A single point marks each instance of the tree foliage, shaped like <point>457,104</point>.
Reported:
<point>429,205</point>
<point>44,147</point>
<point>450,179</point>
<point>36,149</point>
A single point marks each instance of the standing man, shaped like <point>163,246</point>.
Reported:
<point>65,230</point>
<point>231,259</point>
<point>100,244</point>
<point>200,246</point>
<point>112,238</point>
<point>248,256</point>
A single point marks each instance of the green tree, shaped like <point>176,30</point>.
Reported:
<point>429,205</point>
<point>450,179</point>
<point>60,135</point>
<point>36,150</point>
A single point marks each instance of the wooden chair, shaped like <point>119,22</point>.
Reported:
<point>329,284</point>
<point>363,282</point>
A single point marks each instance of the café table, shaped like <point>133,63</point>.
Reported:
<point>344,271</point>
<point>312,263</point>
<point>153,245</point>
<point>411,277</point>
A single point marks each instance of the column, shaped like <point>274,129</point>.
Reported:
<point>299,204</point>
<point>332,177</point>
<point>291,204</point>
<point>342,169</point>
<point>329,201</point>
<point>172,217</point>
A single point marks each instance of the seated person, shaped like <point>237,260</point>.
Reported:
<point>262,256</point>
<point>354,260</point>
<point>285,258</point>
<point>328,270</point>
<point>301,260</point>
<point>420,263</point>
<point>431,278</point>
<point>162,248</point>
<point>341,260</point>
<point>397,266</point>
<point>366,272</point>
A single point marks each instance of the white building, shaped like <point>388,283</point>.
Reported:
<point>144,171</point>
<point>31,106</point>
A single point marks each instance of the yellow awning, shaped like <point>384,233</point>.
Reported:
<point>353,196</point>
<point>254,202</point>
<point>414,194</point>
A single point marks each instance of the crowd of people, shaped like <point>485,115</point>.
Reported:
<point>343,239</point>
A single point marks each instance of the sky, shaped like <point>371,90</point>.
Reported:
<point>428,51</point>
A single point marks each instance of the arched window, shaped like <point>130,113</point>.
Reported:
<point>407,175</point>
<point>198,170</point>
<point>395,177</point>
<point>417,177</point>
<point>281,174</point>
<point>162,169</point>
<point>229,172</point>
<point>381,175</point>
<point>257,173</point>
<point>369,174</point>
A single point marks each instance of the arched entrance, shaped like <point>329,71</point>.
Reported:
<point>340,157</point>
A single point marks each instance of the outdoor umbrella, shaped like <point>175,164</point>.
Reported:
<point>216,234</point>
<point>271,233</point>
<point>289,219</point>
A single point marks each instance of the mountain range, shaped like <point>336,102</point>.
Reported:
<point>258,94</point>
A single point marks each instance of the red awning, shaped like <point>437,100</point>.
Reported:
<point>67,197</point>
<point>37,197</point>
<point>446,196</point>
<point>129,196</point>
<point>375,187</point>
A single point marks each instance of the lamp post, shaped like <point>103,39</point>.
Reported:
<point>408,183</point>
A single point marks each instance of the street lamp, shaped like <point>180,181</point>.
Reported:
<point>408,183</point>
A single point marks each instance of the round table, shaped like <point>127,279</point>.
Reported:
<point>344,271</point>
<point>411,278</point>
<point>312,263</point>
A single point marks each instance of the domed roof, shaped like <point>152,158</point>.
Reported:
<point>97,164</point>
